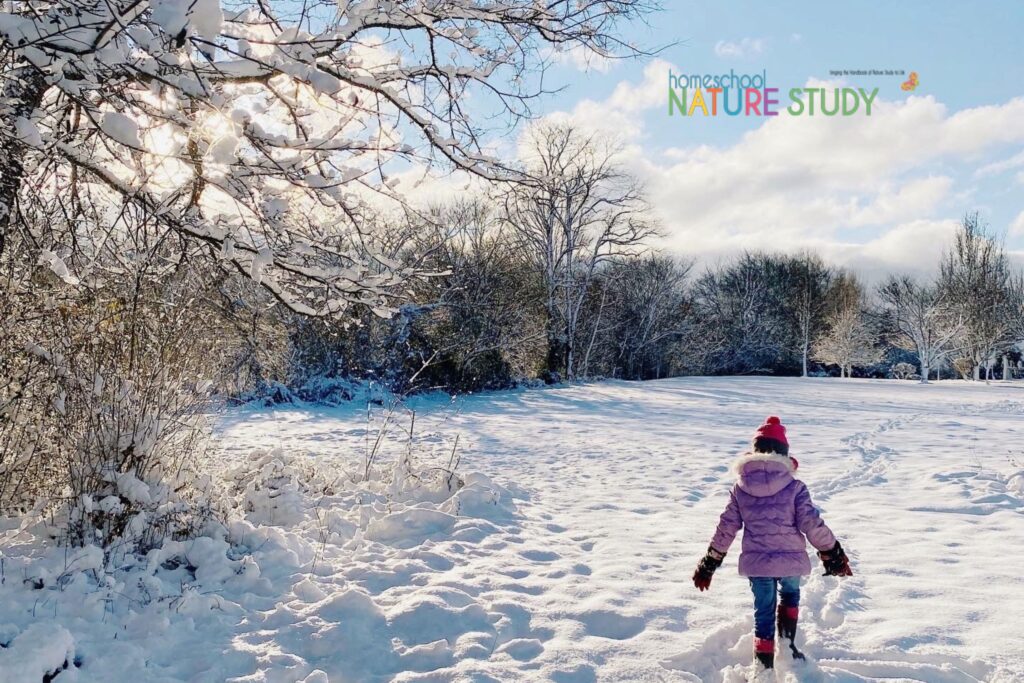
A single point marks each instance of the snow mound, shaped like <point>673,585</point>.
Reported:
<point>410,527</point>
<point>41,650</point>
<point>273,487</point>
<point>480,497</point>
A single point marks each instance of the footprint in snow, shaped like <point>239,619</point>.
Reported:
<point>520,588</point>
<point>540,555</point>
<point>522,649</point>
<point>584,673</point>
<point>516,573</point>
<point>613,625</point>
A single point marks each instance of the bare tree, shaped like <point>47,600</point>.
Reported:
<point>849,341</point>
<point>1016,315</point>
<point>579,211</point>
<point>924,319</point>
<point>810,281</point>
<point>485,322</point>
<point>745,315</point>
<point>976,280</point>
<point>649,311</point>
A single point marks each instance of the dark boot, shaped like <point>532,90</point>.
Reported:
<point>786,623</point>
<point>787,619</point>
<point>764,652</point>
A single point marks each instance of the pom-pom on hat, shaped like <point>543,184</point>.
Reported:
<point>771,437</point>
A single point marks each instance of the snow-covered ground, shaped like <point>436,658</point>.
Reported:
<point>574,563</point>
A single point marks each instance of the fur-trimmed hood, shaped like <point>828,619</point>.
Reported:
<point>764,474</point>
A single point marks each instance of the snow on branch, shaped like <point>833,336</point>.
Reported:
<point>262,130</point>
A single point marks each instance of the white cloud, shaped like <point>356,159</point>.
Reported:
<point>874,192</point>
<point>620,115</point>
<point>916,247</point>
<point>892,204</point>
<point>746,47</point>
<point>997,167</point>
<point>1017,226</point>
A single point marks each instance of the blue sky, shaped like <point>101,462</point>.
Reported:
<point>873,192</point>
<point>966,53</point>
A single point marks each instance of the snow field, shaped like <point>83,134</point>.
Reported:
<point>571,560</point>
<point>619,486</point>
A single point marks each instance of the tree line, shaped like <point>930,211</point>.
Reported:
<point>556,281</point>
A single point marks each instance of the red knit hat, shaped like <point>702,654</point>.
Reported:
<point>773,429</point>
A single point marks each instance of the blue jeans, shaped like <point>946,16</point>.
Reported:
<point>764,588</point>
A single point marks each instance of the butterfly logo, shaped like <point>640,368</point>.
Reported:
<point>911,83</point>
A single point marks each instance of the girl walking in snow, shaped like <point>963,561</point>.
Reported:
<point>775,511</point>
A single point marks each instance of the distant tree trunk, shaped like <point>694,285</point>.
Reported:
<point>1006,367</point>
<point>570,358</point>
<point>597,325</point>
<point>924,372</point>
<point>555,356</point>
<point>556,349</point>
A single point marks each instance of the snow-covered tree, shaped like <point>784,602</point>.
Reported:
<point>976,279</point>
<point>253,134</point>
<point>849,340</point>
<point>924,319</point>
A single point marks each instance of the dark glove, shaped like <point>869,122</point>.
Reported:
<point>711,561</point>
<point>836,562</point>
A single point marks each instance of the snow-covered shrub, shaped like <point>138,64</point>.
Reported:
<point>408,491</point>
<point>272,487</point>
<point>105,406</point>
<point>480,496</point>
<point>904,371</point>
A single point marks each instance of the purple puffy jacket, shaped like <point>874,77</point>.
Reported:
<point>776,514</point>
